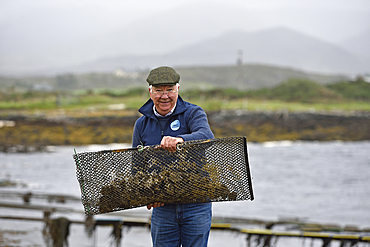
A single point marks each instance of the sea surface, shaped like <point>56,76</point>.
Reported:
<point>318,182</point>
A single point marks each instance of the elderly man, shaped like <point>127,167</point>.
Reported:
<point>168,120</point>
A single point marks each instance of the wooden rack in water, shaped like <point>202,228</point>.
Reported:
<point>118,220</point>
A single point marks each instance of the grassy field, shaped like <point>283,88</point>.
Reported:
<point>308,97</point>
<point>122,105</point>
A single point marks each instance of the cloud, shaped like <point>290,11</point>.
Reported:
<point>69,31</point>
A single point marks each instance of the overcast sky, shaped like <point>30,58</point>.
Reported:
<point>330,19</point>
<point>52,24</point>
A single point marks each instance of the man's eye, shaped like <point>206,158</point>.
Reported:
<point>159,91</point>
<point>170,90</point>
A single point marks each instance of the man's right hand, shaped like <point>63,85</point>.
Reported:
<point>169,143</point>
<point>154,205</point>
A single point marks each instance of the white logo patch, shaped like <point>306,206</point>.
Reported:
<point>175,125</point>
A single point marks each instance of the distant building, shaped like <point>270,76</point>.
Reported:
<point>42,87</point>
<point>365,78</point>
<point>124,74</point>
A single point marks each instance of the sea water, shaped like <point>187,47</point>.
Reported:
<point>318,182</point>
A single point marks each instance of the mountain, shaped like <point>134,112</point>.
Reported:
<point>59,38</point>
<point>278,46</point>
<point>36,43</point>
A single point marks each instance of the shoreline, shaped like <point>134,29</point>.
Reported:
<point>30,133</point>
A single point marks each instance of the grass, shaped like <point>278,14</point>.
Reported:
<point>292,95</point>
<point>99,105</point>
<point>134,102</point>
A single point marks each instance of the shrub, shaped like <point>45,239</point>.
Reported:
<point>301,90</point>
<point>358,90</point>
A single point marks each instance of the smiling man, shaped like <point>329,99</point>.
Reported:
<point>167,120</point>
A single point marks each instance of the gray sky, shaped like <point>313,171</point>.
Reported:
<point>331,19</point>
<point>28,27</point>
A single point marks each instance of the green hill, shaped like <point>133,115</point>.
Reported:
<point>248,76</point>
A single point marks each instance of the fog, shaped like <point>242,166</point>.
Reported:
<point>41,34</point>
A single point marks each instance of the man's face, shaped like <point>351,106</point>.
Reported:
<point>164,98</point>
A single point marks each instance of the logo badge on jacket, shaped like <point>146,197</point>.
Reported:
<point>175,125</point>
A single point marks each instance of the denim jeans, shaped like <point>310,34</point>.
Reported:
<point>186,225</point>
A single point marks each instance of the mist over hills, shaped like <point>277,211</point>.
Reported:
<point>196,33</point>
<point>278,47</point>
<point>242,77</point>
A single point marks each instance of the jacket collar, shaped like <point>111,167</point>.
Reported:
<point>147,108</point>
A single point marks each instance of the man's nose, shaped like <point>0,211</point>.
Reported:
<point>165,95</point>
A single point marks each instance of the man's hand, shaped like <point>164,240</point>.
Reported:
<point>154,205</point>
<point>169,143</point>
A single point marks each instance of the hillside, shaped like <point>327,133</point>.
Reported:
<point>247,76</point>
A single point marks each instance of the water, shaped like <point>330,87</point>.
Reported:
<point>320,182</point>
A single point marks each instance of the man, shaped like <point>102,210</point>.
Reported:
<point>168,120</point>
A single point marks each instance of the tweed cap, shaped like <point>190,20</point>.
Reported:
<point>163,76</point>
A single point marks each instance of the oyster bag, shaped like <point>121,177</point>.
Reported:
<point>198,171</point>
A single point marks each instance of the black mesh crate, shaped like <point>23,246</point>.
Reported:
<point>199,171</point>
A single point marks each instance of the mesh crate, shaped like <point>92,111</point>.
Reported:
<point>199,171</point>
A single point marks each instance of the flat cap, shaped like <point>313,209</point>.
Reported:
<point>163,76</point>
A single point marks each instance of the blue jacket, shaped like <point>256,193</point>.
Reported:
<point>188,121</point>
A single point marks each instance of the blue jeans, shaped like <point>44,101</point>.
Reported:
<point>181,224</point>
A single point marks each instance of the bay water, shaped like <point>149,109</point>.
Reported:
<point>318,182</point>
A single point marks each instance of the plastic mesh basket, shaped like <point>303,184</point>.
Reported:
<point>199,171</point>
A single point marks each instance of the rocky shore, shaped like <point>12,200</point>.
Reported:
<point>31,133</point>
<point>284,125</point>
